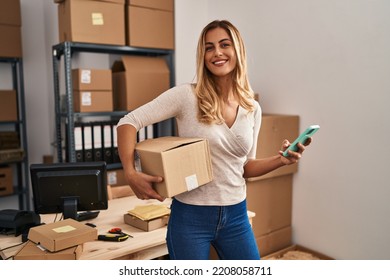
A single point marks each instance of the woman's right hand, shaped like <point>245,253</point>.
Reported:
<point>142,185</point>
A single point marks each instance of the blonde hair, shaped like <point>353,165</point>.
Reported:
<point>209,101</point>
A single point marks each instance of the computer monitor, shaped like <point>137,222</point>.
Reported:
<point>69,187</point>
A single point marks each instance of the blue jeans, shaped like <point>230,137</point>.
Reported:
<point>192,229</point>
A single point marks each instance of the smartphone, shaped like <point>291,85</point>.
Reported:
<point>302,138</point>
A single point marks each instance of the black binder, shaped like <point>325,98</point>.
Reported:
<point>97,141</point>
<point>87,141</point>
<point>97,147</point>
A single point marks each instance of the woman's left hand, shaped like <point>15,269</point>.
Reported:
<point>293,156</point>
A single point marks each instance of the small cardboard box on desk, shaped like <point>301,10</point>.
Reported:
<point>31,251</point>
<point>60,238</point>
<point>148,217</point>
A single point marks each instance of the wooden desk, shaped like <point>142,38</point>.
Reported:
<point>143,245</point>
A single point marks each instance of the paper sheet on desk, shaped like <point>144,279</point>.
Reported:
<point>149,212</point>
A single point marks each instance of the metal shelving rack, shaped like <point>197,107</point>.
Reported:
<point>21,187</point>
<point>67,115</point>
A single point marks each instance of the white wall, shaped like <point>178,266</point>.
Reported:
<point>38,77</point>
<point>325,60</point>
<point>190,17</point>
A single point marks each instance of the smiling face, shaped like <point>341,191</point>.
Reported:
<point>219,54</point>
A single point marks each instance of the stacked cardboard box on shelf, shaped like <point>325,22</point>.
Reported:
<point>10,28</point>
<point>8,106</point>
<point>136,23</point>
<point>270,196</point>
<point>117,184</point>
<point>92,21</point>
<point>9,140</point>
<point>9,144</point>
<point>137,80</point>
<point>6,181</point>
<point>92,89</point>
<point>150,24</point>
<point>116,177</point>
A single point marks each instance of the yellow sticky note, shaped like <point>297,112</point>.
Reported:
<point>97,19</point>
<point>64,229</point>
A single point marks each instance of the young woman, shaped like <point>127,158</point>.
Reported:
<point>219,107</point>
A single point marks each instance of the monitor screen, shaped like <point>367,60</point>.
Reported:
<point>69,187</point>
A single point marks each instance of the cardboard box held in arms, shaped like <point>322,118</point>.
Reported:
<point>184,163</point>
